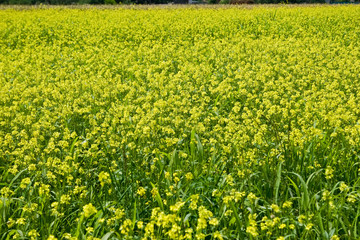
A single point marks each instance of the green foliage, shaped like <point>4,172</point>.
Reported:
<point>22,2</point>
<point>110,2</point>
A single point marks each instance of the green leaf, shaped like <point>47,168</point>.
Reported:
<point>277,183</point>
<point>107,236</point>
<point>134,215</point>
<point>158,198</point>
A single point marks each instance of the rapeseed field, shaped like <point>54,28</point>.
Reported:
<point>180,123</point>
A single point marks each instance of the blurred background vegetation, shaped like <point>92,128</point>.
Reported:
<point>71,2</point>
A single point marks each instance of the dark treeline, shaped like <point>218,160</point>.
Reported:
<point>69,2</point>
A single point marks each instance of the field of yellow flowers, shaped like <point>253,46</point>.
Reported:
<point>180,123</point>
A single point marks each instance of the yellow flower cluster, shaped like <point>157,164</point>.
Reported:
<point>104,178</point>
<point>89,210</point>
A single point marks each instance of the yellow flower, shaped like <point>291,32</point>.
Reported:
<point>351,199</point>
<point>174,232</point>
<point>188,233</point>
<point>329,172</point>
<point>33,234</point>
<point>287,204</point>
<point>282,226</point>
<point>252,230</point>
<point>65,199</point>
<point>69,237</point>
<point>201,224</point>
<point>44,189</point>
<point>11,222</point>
<point>302,219</point>
<point>200,236</point>
<point>154,192</point>
<point>194,200</point>
<point>326,195</point>
<point>343,186</point>
<point>140,224</point>
<point>89,210</point>
<point>252,197</point>
<point>119,213</point>
<point>24,183</point>
<point>230,180</point>
<point>309,226</point>
<point>126,227</point>
<point>21,221</point>
<point>32,167</point>
<point>204,213</point>
<point>335,237</point>
<point>177,206</point>
<point>214,222</point>
<point>217,235</point>
<point>168,175</point>
<point>141,191</point>
<point>275,208</point>
<point>189,176</point>
<point>6,192</point>
<point>104,178</point>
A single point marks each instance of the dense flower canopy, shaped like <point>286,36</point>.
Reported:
<point>180,123</point>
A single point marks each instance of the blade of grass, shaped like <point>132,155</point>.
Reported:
<point>277,183</point>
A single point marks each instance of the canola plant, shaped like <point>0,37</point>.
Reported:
<point>180,123</point>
